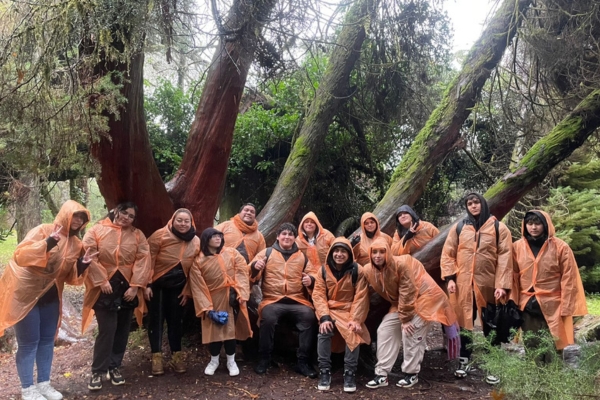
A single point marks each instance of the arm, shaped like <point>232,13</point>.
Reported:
<point>33,249</point>
<point>96,274</point>
<point>448,264</point>
<point>200,293</point>
<point>256,271</point>
<point>242,275</point>
<point>504,268</point>
<point>407,290</point>
<point>319,297</point>
<point>154,246</point>
<point>141,268</point>
<point>568,281</point>
<point>360,304</point>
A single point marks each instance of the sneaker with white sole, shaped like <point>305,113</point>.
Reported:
<point>31,393</point>
<point>233,368</point>
<point>48,391</point>
<point>492,380</point>
<point>211,367</point>
<point>115,377</point>
<point>324,379</point>
<point>349,381</point>
<point>409,380</point>
<point>95,381</point>
<point>463,367</point>
<point>377,382</point>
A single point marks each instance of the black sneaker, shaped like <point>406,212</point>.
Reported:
<point>377,382</point>
<point>261,367</point>
<point>95,382</point>
<point>306,370</point>
<point>409,380</point>
<point>115,377</point>
<point>324,379</point>
<point>349,381</point>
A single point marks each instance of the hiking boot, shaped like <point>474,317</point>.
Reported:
<point>349,381</point>
<point>211,367</point>
<point>157,364</point>
<point>115,377</point>
<point>31,393</point>
<point>463,367</point>
<point>95,381</point>
<point>306,370</point>
<point>409,380</point>
<point>377,382</point>
<point>233,368</point>
<point>492,380</point>
<point>324,379</point>
<point>262,366</point>
<point>48,391</point>
<point>177,362</point>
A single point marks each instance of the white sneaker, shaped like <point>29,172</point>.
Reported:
<point>463,368</point>
<point>211,367</point>
<point>48,391</point>
<point>31,393</point>
<point>233,368</point>
<point>492,380</point>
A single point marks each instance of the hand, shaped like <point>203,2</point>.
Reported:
<point>87,257</point>
<point>184,299</point>
<point>413,228</point>
<point>56,232</point>
<point>106,288</point>
<point>499,293</point>
<point>451,287</point>
<point>453,341</point>
<point>130,293</point>
<point>354,326</point>
<point>408,329</point>
<point>306,281</point>
<point>260,264</point>
<point>326,327</point>
<point>148,293</point>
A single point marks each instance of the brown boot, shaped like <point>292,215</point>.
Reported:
<point>157,364</point>
<point>177,362</point>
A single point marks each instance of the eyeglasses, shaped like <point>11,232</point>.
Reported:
<point>125,214</point>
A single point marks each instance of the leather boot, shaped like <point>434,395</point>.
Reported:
<point>177,362</point>
<point>157,364</point>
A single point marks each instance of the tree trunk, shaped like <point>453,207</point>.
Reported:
<point>198,184</point>
<point>545,154</point>
<point>26,195</point>
<point>332,93</point>
<point>442,131</point>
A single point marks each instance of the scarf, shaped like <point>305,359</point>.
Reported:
<point>244,227</point>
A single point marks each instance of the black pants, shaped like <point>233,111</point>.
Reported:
<point>215,347</point>
<point>534,322</point>
<point>465,335</point>
<point>111,342</point>
<point>164,305</point>
<point>306,323</point>
<point>324,352</point>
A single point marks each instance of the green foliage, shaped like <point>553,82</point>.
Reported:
<point>576,217</point>
<point>593,304</point>
<point>525,377</point>
<point>7,248</point>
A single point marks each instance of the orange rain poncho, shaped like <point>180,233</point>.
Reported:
<point>361,250</point>
<point>241,236</point>
<point>425,232</point>
<point>554,277</point>
<point>343,302</point>
<point>404,282</point>
<point>282,278</point>
<point>210,280</point>
<point>32,270</point>
<point>124,250</point>
<point>479,266</point>
<point>167,251</point>
<point>317,252</point>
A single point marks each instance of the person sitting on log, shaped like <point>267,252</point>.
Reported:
<point>416,302</point>
<point>286,276</point>
<point>369,225</point>
<point>341,299</point>
<point>412,233</point>
<point>313,240</point>
<point>241,232</point>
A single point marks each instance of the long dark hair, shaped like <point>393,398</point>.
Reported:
<point>122,207</point>
<point>205,237</point>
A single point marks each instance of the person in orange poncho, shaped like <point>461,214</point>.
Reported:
<point>416,302</point>
<point>477,267</point>
<point>369,225</point>
<point>31,289</point>
<point>547,287</point>
<point>341,300</point>
<point>173,250</point>
<point>313,240</point>
<point>220,287</point>
<point>412,233</point>
<point>241,232</point>
<point>287,276</point>
<point>121,267</point>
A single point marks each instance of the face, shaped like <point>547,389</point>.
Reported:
<point>248,215</point>
<point>182,222</point>
<point>77,221</point>
<point>405,219</point>
<point>474,207</point>
<point>378,257</point>
<point>215,241</point>
<point>340,255</point>
<point>125,217</point>
<point>535,229</point>
<point>309,226</point>
<point>370,225</point>
<point>286,240</point>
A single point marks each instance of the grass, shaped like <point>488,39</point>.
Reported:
<point>7,247</point>
<point>593,303</point>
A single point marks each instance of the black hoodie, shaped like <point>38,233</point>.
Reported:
<point>535,244</point>
<point>205,237</point>
<point>405,233</point>
<point>346,268</point>
<point>484,215</point>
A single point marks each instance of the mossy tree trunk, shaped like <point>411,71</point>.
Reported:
<point>442,131</point>
<point>333,92</point>
<point>198,184</point>
<point>545,154</point>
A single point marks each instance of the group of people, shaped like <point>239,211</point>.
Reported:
<point>320,282</point>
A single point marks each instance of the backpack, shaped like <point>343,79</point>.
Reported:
<point>270,250</point>
<point>460,225</point>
